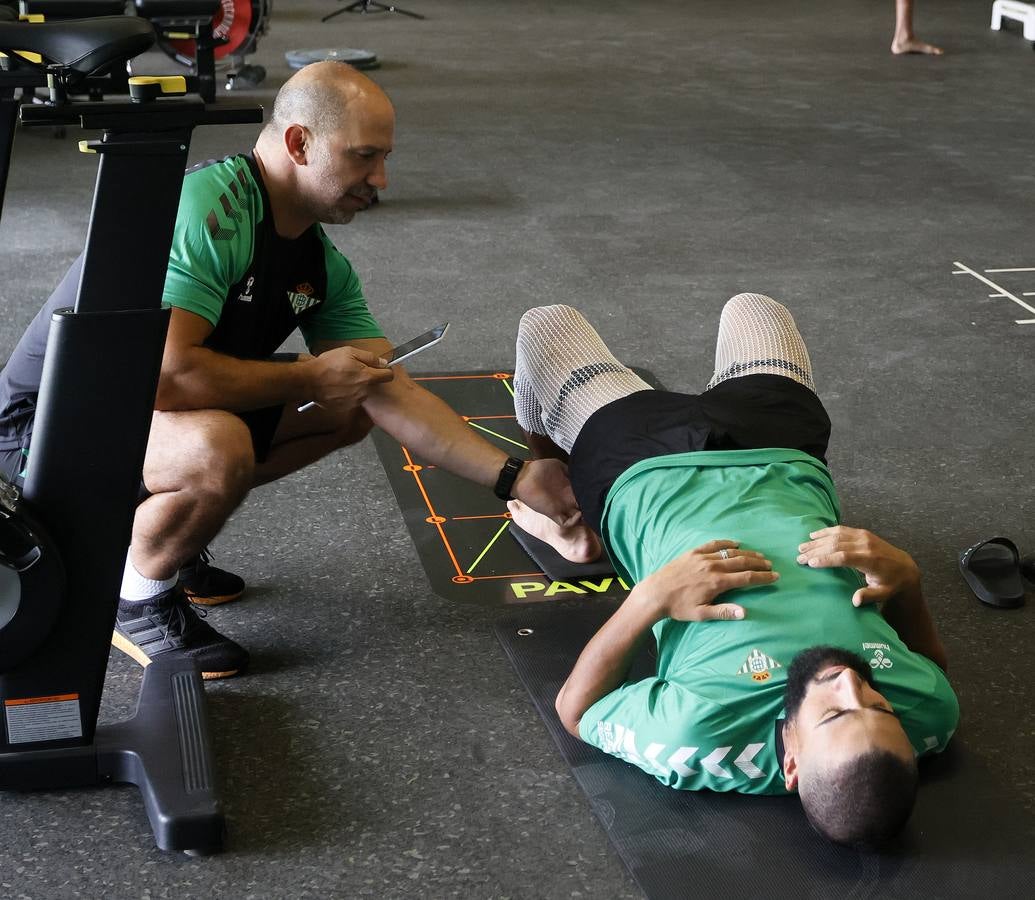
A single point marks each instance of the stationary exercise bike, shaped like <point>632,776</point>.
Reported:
<point>63,542</point>
<point>201,35</point>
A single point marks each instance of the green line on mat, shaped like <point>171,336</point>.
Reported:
<point>500,436</point>
<point>506,384</point>
<point>488,546</point>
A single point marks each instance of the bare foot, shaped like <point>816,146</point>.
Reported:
<point>912,45</point>
<point>577,544</point>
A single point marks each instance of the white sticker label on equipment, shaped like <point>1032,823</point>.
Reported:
<point>43,718</point>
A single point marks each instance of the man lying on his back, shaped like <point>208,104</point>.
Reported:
<point>818,669</point>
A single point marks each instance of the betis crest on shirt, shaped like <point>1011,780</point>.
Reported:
<point>758,666</point>
<point>301,298</point>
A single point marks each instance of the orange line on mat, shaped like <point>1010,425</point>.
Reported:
<point>427,499</point>
<point>431,511</point>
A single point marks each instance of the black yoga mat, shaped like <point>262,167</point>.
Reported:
<point>460,529</point>
<point>968,837</point>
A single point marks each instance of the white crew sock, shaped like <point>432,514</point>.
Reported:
<point>136,588</point>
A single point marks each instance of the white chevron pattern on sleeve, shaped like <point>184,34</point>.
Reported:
<point>711,762</point>
<point>621,742</point>
<point>744,763</point>
<point>629,750</point>
<point>678,759</point>
<point>651,756</point>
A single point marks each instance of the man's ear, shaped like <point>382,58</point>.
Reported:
<point>296,142</point>
<point>790,757</point>
<point>790,772</point>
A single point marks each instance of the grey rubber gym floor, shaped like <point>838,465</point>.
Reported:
<point>642,162</point>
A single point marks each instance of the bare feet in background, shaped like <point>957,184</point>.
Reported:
<point>904,40</point>
<point>577,544</point>
<point>912,45</point>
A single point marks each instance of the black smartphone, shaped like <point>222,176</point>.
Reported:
<point>419,343</point>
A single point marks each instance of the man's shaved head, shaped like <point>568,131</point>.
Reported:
<point>322,154</point>
<point>319,96</point>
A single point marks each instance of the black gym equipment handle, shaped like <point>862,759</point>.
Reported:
<point>157,116</point>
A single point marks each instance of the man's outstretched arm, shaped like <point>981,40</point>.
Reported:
<point>683,589</point>
<point>418,419</point>
<point>892,581</point>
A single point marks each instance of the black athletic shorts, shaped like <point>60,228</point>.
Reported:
<point>262,423</point>
<point>747,413</point>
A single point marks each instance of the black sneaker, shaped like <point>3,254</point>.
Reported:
<point>168,624</point>
<point>206,585</point>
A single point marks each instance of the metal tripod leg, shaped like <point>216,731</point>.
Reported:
<point>370,6</point>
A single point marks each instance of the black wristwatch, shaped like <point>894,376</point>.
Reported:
<point>508,475</point>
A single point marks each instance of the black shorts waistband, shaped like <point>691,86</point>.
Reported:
<point>747,413</point>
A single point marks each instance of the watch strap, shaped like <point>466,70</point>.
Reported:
<point>508,475</point>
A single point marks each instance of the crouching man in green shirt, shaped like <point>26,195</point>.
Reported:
<point>793,653</point>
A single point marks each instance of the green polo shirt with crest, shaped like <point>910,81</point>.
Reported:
<point>706,718</point>
<point>229,266</point>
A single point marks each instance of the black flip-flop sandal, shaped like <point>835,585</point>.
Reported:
<point>992,570</point>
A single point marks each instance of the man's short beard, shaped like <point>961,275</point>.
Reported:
<point>808,663</point>
<point>333,216</point>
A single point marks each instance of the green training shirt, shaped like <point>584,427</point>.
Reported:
<point>707,718</point>
<point>229,266</point>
